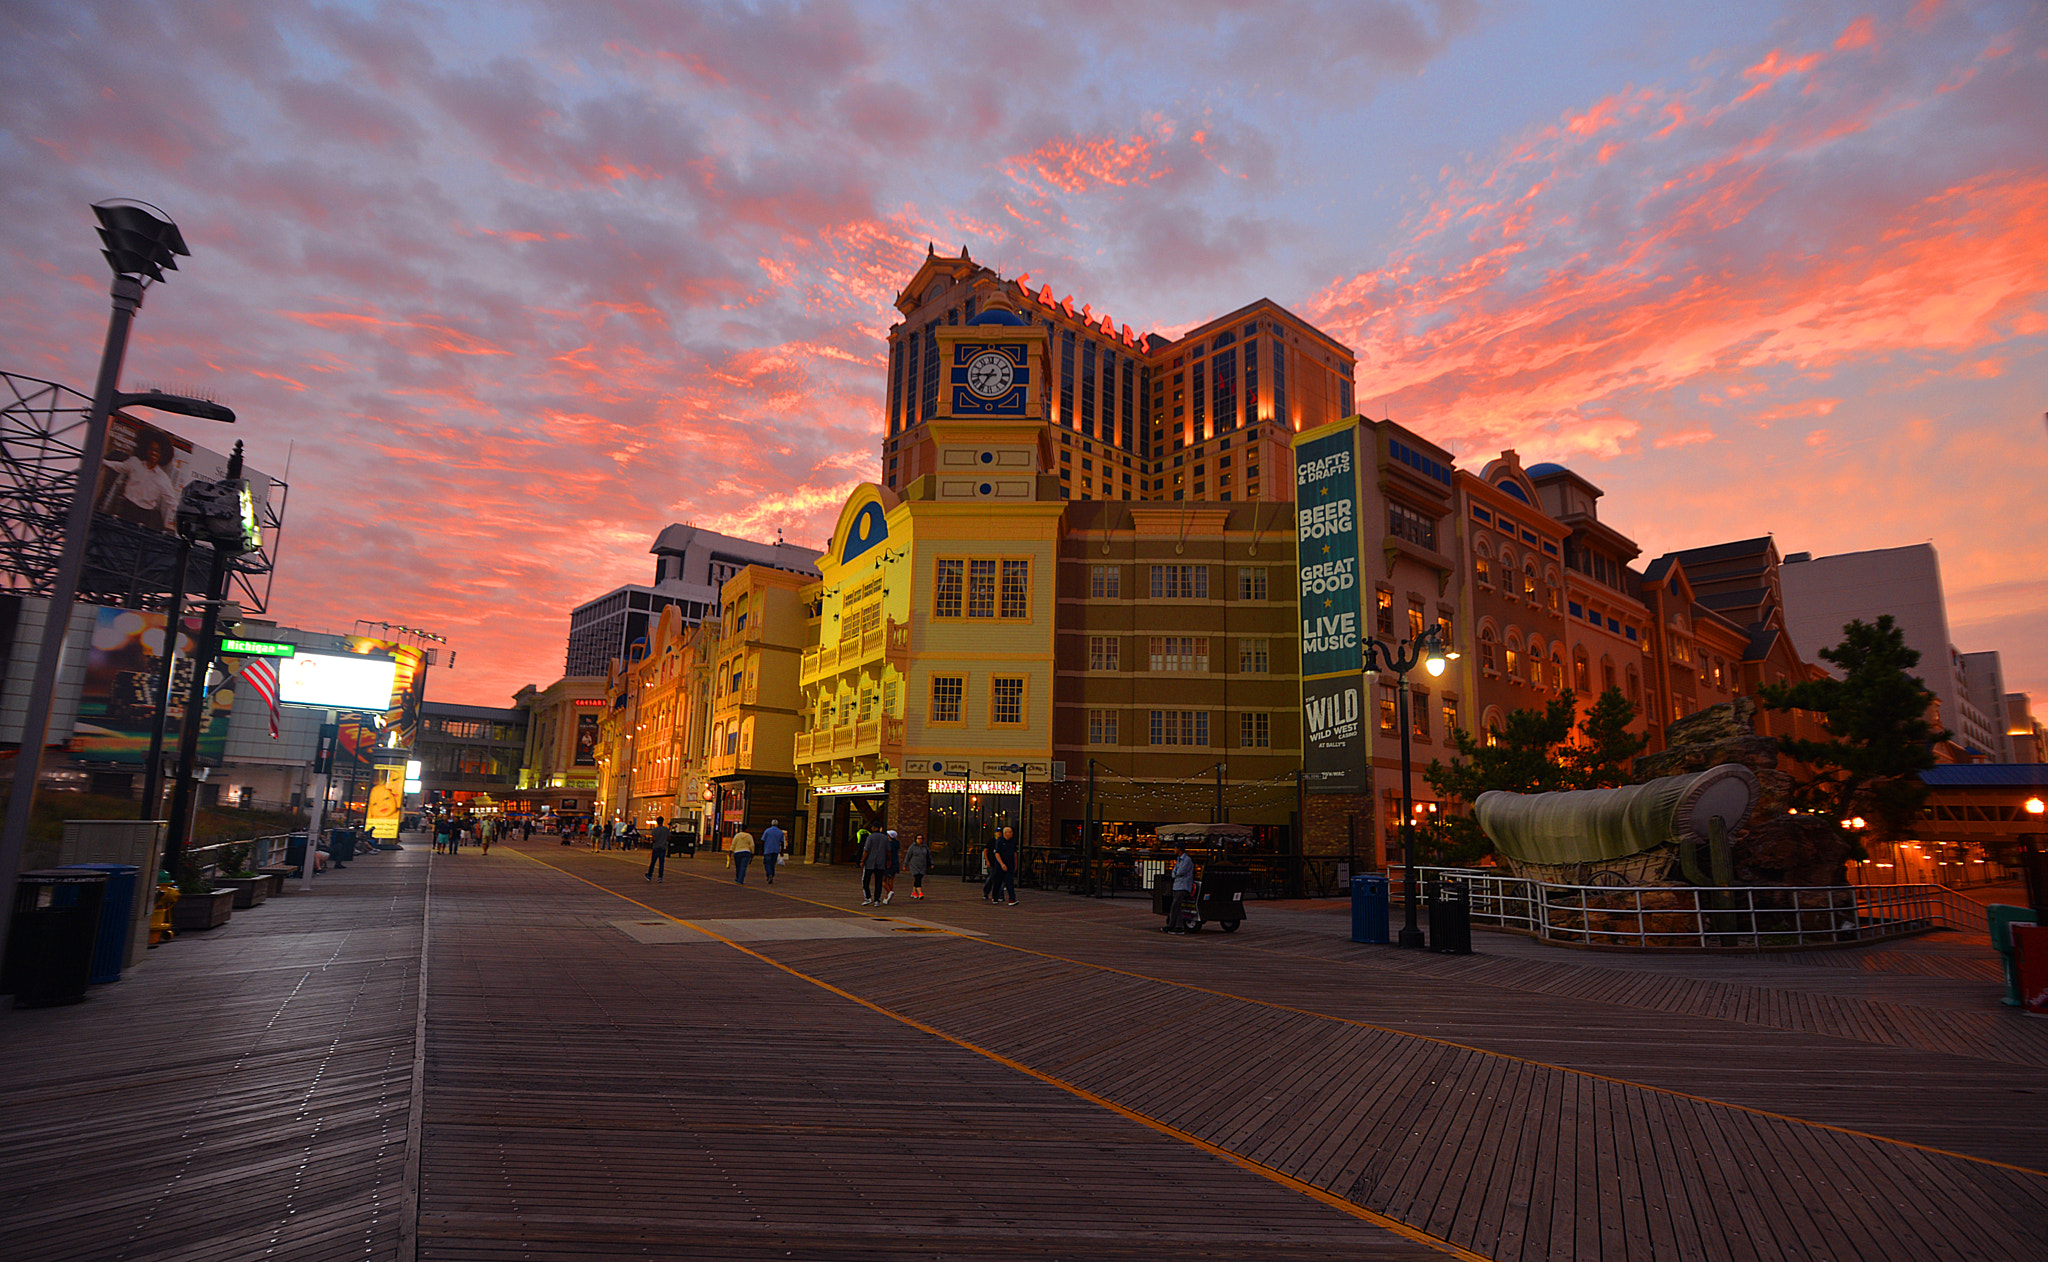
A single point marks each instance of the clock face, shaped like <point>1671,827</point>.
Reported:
<point>991,374</point>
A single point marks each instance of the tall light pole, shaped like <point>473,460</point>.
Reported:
<point>1427,649</point>
<point>138,244</point>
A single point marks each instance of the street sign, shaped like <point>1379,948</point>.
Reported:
<point>257,648</point>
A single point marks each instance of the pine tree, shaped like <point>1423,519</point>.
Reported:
<point>1877,715</point>
<point>1601,757</point>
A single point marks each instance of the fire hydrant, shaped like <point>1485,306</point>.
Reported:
<point>160,919</point>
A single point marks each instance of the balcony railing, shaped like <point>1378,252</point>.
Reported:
<point>854,651</point>
<point>854,740</point>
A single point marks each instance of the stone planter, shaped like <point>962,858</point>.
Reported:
<point>208,909</point>
<point>278,873</point>
<point>250,891</point>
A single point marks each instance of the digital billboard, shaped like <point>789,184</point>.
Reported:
<point>336,681</point>
<point>117,708</point>
<point>146,469</point>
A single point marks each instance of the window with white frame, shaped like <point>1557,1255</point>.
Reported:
<point>1102,727</point>
<point>1180,582</point>
<point>1254,657</point>
<point>1181,653</point>
<point>1105,652</point>
<point>1180,727</point>
<point>1254,731</point>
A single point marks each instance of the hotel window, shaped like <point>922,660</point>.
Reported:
<point>1016,589</point>
<point>1443,630</point>
<point>1180,653</point>
<point>1255,731</point>
<point>1390,714</point>
<point>1103,652</point>
<point>1180,727</point>
<point>1417,619</point>
<point>1251,583</point>
<point>1418,714</point>
<point>867,704</point>
<point>1006,701</point>
<point>1582,672</point>
<point>1383,607</point>
<point>1254,657</point>
<point>947,584</point>
<point>1102,727</point>
<point>1482,570</point>
<point>981,589</point>
<point>1529,580</point>
<point>1450,716</point>
<point>948,693</point>
<point>889,696</point>
<point>1512,658</point>
<point>1487,661</point>
<point>1404,522</point>
<point>1180,582</point>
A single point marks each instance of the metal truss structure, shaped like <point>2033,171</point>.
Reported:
<point>42,428</point>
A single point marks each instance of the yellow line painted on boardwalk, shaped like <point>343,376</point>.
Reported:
<point>1287,1181</point>
<point>1430,1038</point>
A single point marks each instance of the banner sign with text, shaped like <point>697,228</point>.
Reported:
<point>1326,540</point>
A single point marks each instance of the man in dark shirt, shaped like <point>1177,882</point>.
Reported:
<point>1005,862</point>
<point>658,861</point>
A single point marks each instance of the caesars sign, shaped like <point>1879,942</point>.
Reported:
<point>1332,686</point>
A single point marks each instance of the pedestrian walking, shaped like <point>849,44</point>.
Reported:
<point>1183,888</point>
<point>657,862</point>
<point>874,863</point>
<point>917,861</point>
<point>742,855</point>
<point>894,864</point>
<point>484,834</point>
<point>860,850</point>
<point>1006,867</point>
<point>772,841</point>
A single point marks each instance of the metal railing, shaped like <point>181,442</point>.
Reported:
<point>1687,918</point>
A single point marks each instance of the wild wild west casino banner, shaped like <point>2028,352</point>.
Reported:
<point>1332,687</point>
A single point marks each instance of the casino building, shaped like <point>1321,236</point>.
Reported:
<point>990,651</point>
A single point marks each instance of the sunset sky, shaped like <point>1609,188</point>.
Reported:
<point>505,288</point>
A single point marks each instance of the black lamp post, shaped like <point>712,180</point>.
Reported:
<point>1428,650</point>
<point>139,244</point>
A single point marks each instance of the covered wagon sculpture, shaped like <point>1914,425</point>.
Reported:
<point>1625,836</point>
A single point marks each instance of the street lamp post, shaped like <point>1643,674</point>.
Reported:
<point>2034,863</point>
<point>1427,649</point>
<point>139,244</point>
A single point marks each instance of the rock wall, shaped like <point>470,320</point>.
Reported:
<point>1775,847</point>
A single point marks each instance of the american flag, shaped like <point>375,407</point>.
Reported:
<point>262,676</point>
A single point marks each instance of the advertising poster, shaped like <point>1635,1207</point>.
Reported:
<point>1332,644</point>
<point>358,738</point>
<point>117,709</point>
<point>145,471</point>
<point>586,740</point>
<point>387,801</point>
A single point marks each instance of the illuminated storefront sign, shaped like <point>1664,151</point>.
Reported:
<point>834,790</point>
<point>972,786</point>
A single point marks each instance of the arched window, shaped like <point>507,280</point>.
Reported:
<point>1493,726</point>
<point>1556,668</point>
<point>1487,661</point>
<point>1482,563</point>
<point>1607,673</point>
<point>1551,586</point>
<point>1635,687</point>
<point>1582,672</point>
<point>1512,658</point>
<point>1529,580</point>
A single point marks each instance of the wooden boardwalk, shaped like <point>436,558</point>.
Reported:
<point>611,1068</point>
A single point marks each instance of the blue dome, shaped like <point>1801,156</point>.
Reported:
<point>996,315</point>
<point>1545,469</point>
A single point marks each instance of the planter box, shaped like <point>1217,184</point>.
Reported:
<point>278,873</point>
<point>250,891</point>
<point>208,910</point>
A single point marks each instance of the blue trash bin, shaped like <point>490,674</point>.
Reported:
<point>1369,902</point>
<point>117,909</point>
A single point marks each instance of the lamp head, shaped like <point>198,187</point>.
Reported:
<point>1435,661</point>
<point>2035,806</point>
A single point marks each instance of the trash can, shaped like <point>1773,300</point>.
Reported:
<point>2030,946</point>
<point>50,944</point>
<point>341,846</point>
<point>295,853</point>
<point>117,912</point>
<point>1369,907</point>
<point>1450,918</point>
<point>1162,893</point>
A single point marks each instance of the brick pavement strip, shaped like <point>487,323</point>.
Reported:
<point>1072,1086</point>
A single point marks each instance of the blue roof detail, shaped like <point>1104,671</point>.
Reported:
<point>1545,469</point>
<point>1987,775</point>
<point>996,315</point>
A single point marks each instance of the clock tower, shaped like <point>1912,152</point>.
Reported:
<point>989,439</point>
